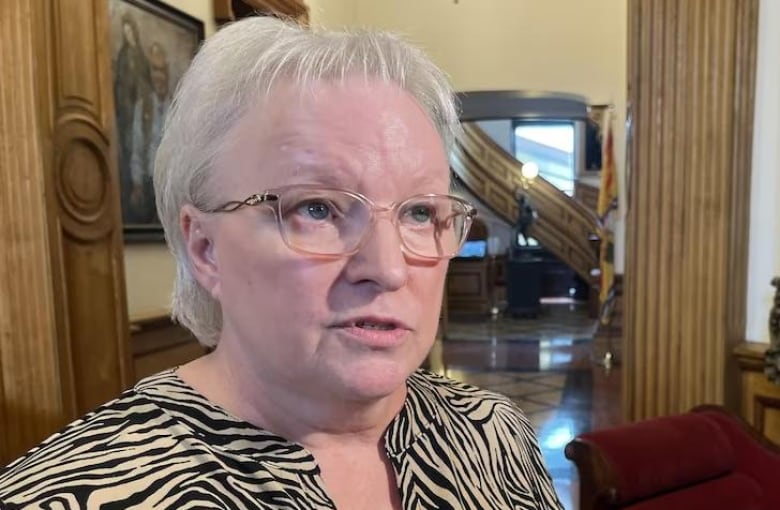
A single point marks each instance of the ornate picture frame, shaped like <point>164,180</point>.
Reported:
<point>152,44</point>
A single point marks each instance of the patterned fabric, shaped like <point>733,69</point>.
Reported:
<point>163,445</point>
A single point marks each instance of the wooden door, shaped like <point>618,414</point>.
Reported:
<point>63,319</point>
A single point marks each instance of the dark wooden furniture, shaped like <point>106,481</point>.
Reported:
<point>470,281</point>
<point>524,286</point>
<point>158,344</point>
<point>759,397</point>
<point>469,287</point>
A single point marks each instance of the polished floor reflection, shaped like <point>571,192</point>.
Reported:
<point>549,366</point>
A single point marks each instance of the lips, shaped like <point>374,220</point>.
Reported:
<point>373,323</point>
<point>381,326</point>
<point>374,331</point>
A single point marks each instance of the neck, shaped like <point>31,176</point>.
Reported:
<point>314,419</point>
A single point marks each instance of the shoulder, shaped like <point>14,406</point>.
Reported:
<point>445,388</point>
<point>469,402</point>
<point>464,410</point>
<point>485,440</point>
<point>106,443</point>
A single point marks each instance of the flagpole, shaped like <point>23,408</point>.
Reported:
<point>609,359</point>
<point>607,208</point>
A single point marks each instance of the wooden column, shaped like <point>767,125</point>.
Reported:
<point>63,319</point>
<point>691,87</point>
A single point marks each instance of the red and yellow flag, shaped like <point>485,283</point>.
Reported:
<point>607,210</point>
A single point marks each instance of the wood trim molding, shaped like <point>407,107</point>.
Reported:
<point>759,397</point>
<point>691,89</point>
<point>764,403</point>
<point>231,10</point>
<point>750,356</point>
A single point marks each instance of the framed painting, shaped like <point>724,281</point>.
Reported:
<point>152,44</point>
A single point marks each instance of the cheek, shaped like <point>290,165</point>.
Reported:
<point>278,288</point>
<point>428,288</point>
<point>302,284</point>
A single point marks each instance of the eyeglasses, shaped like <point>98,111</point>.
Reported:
<point>336,222</point>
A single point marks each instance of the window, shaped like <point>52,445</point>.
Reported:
<point>551,146</point>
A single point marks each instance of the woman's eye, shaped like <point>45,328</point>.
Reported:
<point>315,210</point>
<point>421,213</point>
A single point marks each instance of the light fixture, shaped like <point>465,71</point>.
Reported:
<point>530,171</point>
<point>525,212</point>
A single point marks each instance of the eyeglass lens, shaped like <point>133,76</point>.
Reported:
<point>332,222</point>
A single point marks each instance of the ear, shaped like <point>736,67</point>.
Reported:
<point>196,230</point>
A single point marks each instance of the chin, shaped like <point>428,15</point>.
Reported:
<point>376,379</point>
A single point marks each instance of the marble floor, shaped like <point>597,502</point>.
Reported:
<point>549,366</point>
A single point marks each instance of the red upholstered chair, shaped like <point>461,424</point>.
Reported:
<point>707,459</point>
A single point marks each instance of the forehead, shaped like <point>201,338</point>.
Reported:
<point>348,133</point>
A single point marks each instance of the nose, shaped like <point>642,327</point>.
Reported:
<point>380,259</point>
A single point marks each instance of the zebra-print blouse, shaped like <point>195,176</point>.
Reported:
<point>163,445</point>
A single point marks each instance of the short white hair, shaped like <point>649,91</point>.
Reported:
<point>234,69</point>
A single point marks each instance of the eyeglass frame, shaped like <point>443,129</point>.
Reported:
<point>275,195</point>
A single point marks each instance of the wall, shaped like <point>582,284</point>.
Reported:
<point>149,268</point>
<point>556,45</point>
<point>332,13</point>
<point>764,257</point>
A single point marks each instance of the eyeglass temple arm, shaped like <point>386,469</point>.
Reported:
<point>251,201</point>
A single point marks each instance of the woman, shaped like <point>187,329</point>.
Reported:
<point>302,181</point>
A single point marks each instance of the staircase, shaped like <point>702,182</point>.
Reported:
<point>564,226</point>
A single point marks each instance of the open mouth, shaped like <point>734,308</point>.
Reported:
<point>381,326</point>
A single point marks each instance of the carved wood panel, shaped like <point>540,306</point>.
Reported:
<point>63,320</point>
<point>85,234</point>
